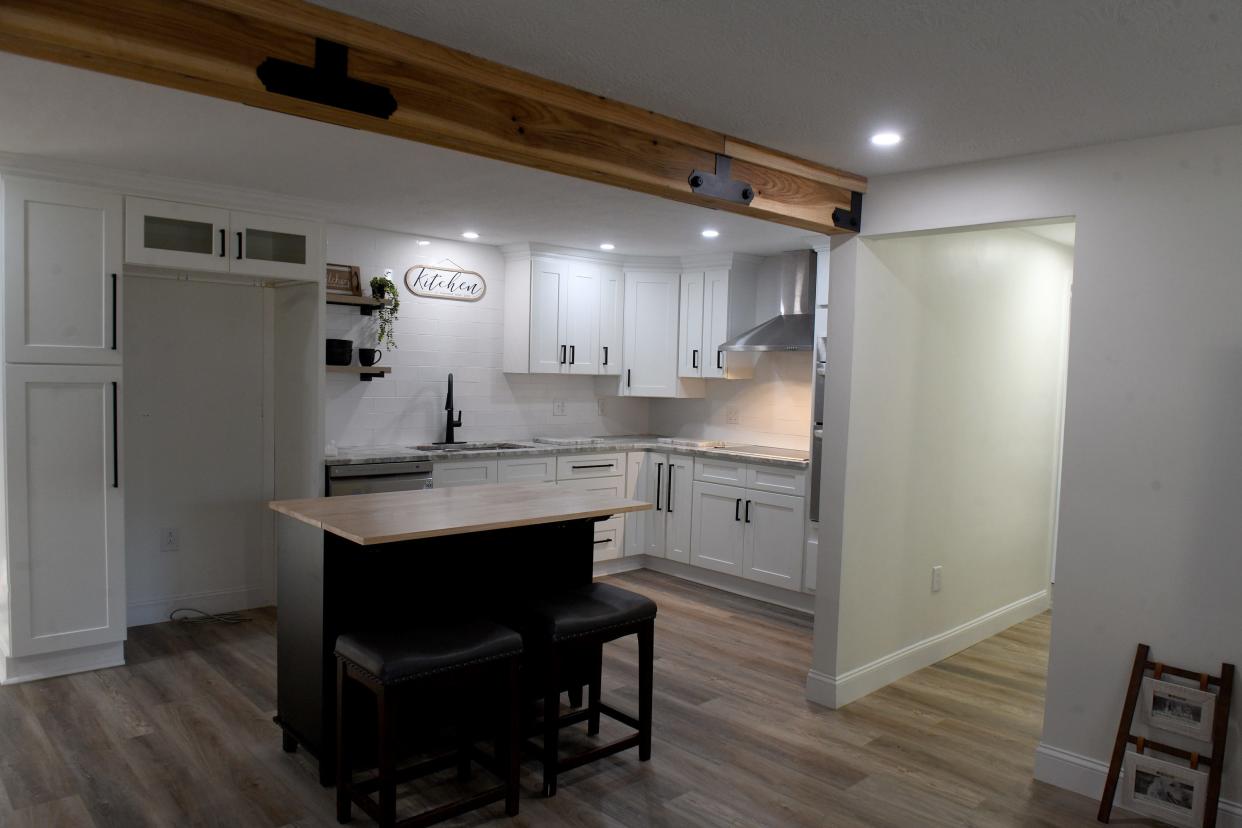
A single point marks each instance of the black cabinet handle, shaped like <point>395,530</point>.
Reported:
<point>668,498</point>
<point>562,355</point>
<point>222,243</point>
<point>737,508</point>
<point>116,467</point>
<point>602,540</point>
<point>627,377</point>
<point>114,311</point>
<point>748,511</point>
<point>719,358</point>
<point>659,480</point>
<point>605,354</point>
<point>594,466</point>
<point>239,244</point>
<point>694,358</point>
<point>571,354</point>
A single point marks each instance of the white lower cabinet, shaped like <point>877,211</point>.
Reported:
<point>609,534</point>
<point>463,473</point>
<point>666,481</point>
<point>754,534</point>
<point>66,534</point>
<point>526,470</point>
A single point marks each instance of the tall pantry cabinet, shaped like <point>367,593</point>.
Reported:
<point>61,513</point>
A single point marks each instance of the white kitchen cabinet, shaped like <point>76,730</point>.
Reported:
<point>463,473</point>
<point>726,472</point>
<point>547,291</point>
<point>62,261</point>
<point>678,508</point>
<point>65,528</point>
<point>526,470</point>
<point>651,340</point>
<point>636,489</point>
<point>774,547</point>
<point>719,533</point>
<point>667,482</point>
<point>717,303</point>
<point>776,479</point>
<point>609,534</point>
<point>582,295</point>
<point>577,466</point>
<point>611,320</point>
<point>211,239</point>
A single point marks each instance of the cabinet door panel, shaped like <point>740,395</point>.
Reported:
<point>526,470</point>
<point>774,539</point>
<point>548,290</point>
<point>464,473</point>
<point>651,334</point>
<point>66,514</point>
<point>655,527</point>
<point>62,274</point>
<point>582,318</point>
<point>611,320</point>
<point>715,322</point>
<point>274,246</point>
<point>717,540</point>
<point>690,329</point>
<point>679,508</point>
<point>636,489</point>
<point>776,479</point>
<point>168,234</point>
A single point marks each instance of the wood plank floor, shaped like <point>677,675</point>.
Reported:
<point>182,735</point>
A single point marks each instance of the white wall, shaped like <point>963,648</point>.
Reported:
<point>436,336</point>
<point>194,447</point>
<point>954,430</point>
<point>1152,469</point>
<point>772,409</point>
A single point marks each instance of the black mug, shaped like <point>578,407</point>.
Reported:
<point>369,356</point>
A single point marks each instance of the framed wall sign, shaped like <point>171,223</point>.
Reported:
<point>344,279</point>
<point>445,280</point>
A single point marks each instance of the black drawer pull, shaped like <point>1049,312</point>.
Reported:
<point>239,244</point>
<point>694,358</point>
<point>737,509</point>
<point>223,243</point>
<point>627,377</point>
<point>668,498</point>
<point>602,540</point>
<point>595,466</point>
<point>719,360</point>
<point>748,511</point>
<point>114,311</point>
<point>116,455</point>
<point>562,355</point>
<point>571,354</point>
<point>605,354</point>
<point>659,480</point>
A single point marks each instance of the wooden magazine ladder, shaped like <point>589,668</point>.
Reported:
<point>1220,727</point>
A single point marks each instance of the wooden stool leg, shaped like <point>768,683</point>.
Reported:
<point>343,765</point>
<point>574,695</point>
<point>386,761</point>
<point>646,667</point>
<point>597,676</point>
<point>513,752</point>
<point>551,722</point>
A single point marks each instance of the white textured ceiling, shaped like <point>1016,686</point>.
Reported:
<point>353,177</point>
<point>964,80</point>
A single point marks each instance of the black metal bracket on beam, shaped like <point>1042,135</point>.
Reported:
<point>327,82</point>
<point>718,184</point>
<point>850,219</point>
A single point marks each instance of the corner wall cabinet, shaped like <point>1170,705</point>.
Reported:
<point>171,235</point>
<point>62,263</point>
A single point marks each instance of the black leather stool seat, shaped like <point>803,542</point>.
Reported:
<point>588,610</point>
<point>396,656</point>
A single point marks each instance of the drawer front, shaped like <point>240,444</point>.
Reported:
<point>586,466</point>
<point>464,473</point>
<point>608,540</point>
<point>725,472</point>
<point>776,480</point>
<point>526,470</point>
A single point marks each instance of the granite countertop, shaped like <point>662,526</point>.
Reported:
<point>540,446</point>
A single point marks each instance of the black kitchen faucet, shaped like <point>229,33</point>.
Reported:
<point>449,422</point>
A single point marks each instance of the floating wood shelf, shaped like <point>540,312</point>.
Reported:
<point>364,304</point>
<point>366,374</point>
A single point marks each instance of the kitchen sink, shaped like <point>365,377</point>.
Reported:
<point>470,446</point>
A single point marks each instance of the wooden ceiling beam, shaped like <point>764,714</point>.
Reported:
<point>444,97</point>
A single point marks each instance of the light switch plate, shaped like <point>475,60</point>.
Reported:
<point>170,540</point>
<point>936,570</point>
<point>558,408</point>
<point>732,416</point>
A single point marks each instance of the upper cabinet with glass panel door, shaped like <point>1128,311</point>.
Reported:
<point>215,240</point>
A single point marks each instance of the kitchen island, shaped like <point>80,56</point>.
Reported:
<point>390,559</point>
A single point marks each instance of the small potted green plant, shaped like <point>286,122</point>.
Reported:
<point>382,288</point>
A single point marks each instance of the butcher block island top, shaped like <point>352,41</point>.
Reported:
<point>371,519</point>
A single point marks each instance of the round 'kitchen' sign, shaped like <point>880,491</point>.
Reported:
<point>445,281</point>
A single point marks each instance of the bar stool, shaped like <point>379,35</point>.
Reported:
<point>574,624</point>
<point>383,663</point>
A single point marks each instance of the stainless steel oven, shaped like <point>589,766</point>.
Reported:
<point>368,478</point>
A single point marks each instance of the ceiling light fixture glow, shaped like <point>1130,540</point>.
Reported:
<point>423,242</point>
<point>607,246</point>
<point>470,234</point>
<point>710,234</point>
<point>886,139</point>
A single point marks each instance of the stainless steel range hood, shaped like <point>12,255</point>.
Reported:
<point>793,326</point>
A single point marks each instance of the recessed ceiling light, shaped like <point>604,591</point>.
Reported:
<point>886,139</point>
<point>710,234</point>
<point>423,242</point>
<point>469,234</point>
<point>607,246</point>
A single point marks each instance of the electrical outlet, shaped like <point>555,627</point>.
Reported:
<point>599,404</point>
<point>936,570</point>
<point>388,272</point>
<point>170,540</point>
<point>732,416</point>
<point>558,408</point>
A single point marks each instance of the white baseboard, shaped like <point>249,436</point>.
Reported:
<point>800,601</point>
<point>18,669</point>
<point>616,566</point>
<point>1085,775</point>
<point>838,691</point>
<point>156,610</point>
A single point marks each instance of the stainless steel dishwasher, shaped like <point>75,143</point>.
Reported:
<point>368,478</point>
